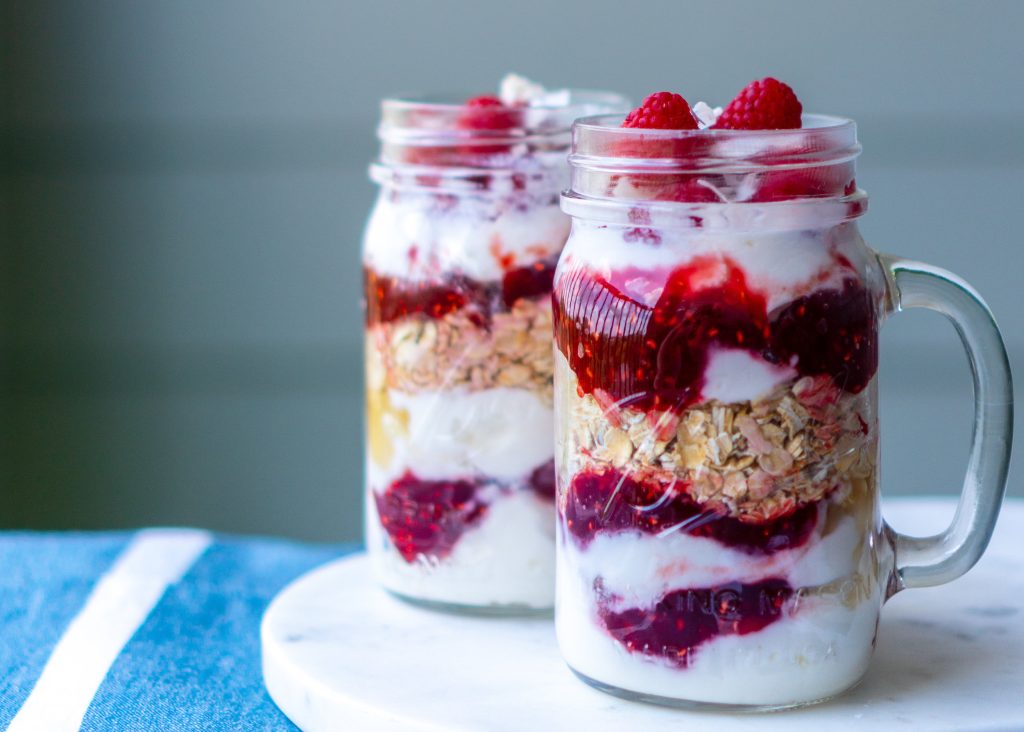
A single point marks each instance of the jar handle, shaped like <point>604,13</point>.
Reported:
<point>934,560</point>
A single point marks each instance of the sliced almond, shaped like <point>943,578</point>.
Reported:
<point>692,456</point>
<point>776,462</point>
<point>618,446</point>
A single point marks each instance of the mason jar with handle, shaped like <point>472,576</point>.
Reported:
<point>716,318</point>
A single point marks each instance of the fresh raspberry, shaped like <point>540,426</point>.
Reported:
<point>662,111</point>
<point>484,100</point>
<point>487,112</point>
<point>767,104</point>
<point>817,182</point>
<point>689,189</point>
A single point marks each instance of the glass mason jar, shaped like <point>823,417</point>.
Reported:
<point>458,260</point>
<point>716,318</point>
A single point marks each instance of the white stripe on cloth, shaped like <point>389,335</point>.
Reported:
<point>121,601</point>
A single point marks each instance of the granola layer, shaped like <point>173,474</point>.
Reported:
<point>458,351</point>
<point>754,461</point>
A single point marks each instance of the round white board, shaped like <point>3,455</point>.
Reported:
<point>341,654</point>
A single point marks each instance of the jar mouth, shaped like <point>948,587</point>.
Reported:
<point>442,120</point>
<point>464,180</point>
<point>600,143</point>
<point>439,142</point>
<point>615,168</point>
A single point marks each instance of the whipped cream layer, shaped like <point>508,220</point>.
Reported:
<point>504,560</point>
<point>416,238</point>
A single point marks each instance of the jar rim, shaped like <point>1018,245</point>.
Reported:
<point>809,121</point>
<point>713,217</point>
<point>434,119</point>
<point>601,143</point>
<point>451,100</point>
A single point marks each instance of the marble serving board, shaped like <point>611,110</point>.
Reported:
<point>341,654</point>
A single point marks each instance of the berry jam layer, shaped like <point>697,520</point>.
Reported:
<point>392,298</point>
<point>611,501</point>
<point>645,339</point>
<point>426,518</point>
<point>685,619</point>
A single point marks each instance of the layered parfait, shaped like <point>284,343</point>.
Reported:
<point>459,256</point>
<point>716,316</point>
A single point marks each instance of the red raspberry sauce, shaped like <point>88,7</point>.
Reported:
<point>684,619</point>
<point>654,356</point>
<point>429,517</point>
<point>392,298</point>
<point>612,502</point>
<point>542,480</point>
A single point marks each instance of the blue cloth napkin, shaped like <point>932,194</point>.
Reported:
<point>149,630</point>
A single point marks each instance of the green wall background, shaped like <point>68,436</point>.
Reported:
<point>184,188</point>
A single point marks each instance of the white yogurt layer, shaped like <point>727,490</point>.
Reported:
<point>478,238</point>
<point>735,375</point>
<point>506,559</point>
<point>501,433</point>
<point>781,265</point>
<point>820,650</point>
<point>642,568</point>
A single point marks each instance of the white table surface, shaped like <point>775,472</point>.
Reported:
<point>341,654</point>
